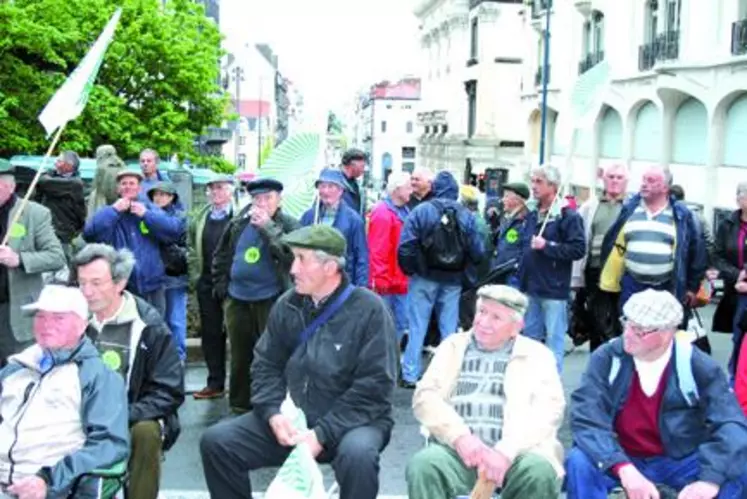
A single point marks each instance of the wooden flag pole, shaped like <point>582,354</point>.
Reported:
<point>32,186</point>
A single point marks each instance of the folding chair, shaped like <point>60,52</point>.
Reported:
<point>111,481</point>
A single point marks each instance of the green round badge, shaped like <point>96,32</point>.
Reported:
<point>144,230</point>
<point>112,359</point>
<point>17,231</point>
<point>251,256</point>
<point>512,236</point>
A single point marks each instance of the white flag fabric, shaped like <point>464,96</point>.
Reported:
<point>71,98</point>
<point>584,103</point>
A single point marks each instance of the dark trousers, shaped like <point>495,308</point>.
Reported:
<point>245,322</point>
<point>213,334</point>
<point>233,447</point>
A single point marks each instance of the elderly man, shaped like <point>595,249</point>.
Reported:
<point>493,402</point>
<point>141,227</point>
<point>386,278</point>
<point>205,231</point>
<point>654,243</point>
<point>331,346</point>
<point>149,163</point>
<point>593,305</point>
<point>353,168</point>
<point>32,249</point>
<point>556,240</point>
<point>510,239</point>
<point>61,409</point>
<point>331,210</point>
<point>422,186</point>
<point>134,341</point>
<point>652,412</point>
<point>250,271</point>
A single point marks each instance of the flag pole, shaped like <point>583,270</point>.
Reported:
<point>32,186</point>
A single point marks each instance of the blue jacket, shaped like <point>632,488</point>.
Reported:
<point>690,259</point>
<point>351,225</point>
<point>141,236</point>
<point>546,273</point>
<point>510,243</point>
<point>422,221</point>
<point>712,425</point>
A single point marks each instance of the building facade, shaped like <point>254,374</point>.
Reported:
<point>386,126</point>
<point>471,85</point>
<point>677,96</point>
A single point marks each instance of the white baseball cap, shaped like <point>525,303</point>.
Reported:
<point>60,299</point>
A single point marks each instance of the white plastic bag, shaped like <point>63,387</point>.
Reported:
<point>695,329</point>
<point>300,476</point>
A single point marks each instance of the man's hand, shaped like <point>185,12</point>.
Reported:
<point>538,242</point>
<point>712,274</point>
<point>494,466</point>
<point>691,299</point>
<point>9,257</point>
<point>741,287</point>
<point>138,209</point>
<point>309,438</point>
<point>284,431</point>
<point>742,275</point>
<point>121,205</point>
<point>259,217</point>
<point>636,485</point>
<point>470,450</point>
<point>31,487</point>
<point>699,490</point>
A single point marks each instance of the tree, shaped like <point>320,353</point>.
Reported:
<point>158,86</point>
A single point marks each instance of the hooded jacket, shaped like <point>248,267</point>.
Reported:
<point>384,229</point>
<point>423,220</point>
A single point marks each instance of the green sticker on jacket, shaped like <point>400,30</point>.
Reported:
<point>144,230</point>
<point>112,359</point>
<point>251,256</point>
<point>17,231</point>
<point>512,236</point>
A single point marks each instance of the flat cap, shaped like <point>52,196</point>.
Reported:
<point>220,179</point>
<point>129,173</point>
<point>262,185</point>
<point>318,237</point>
<point>519,188</point>
<point>505,295</point>
<point>654,310</point>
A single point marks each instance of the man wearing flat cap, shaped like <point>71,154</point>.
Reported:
<point>353,167</point>
<point>251,267</point>
<point>492,402</point>
<point>653,412</point>
<point>512,235</point>
<point>332,347</point>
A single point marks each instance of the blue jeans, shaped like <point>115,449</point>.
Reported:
<point>422,295</point>
<point>398,307</point>
<point>176,318</point>
<point>584,480</point>
<point>547,321</point>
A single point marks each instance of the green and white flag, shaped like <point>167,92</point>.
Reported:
<point>71,98</point>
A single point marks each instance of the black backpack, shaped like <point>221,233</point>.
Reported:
<point>444,247</point>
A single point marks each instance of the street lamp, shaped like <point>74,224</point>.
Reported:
<point>545,79</point>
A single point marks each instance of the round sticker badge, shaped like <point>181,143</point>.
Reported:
<point>251,256</point>
<point>144,230</point>
<point>17,231</point>
<point>112,359</point>
<point>512,236</point>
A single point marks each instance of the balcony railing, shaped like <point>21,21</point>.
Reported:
<point>539,6</point>
<point>475,3</point>
<point>739,37</point>
<point>666,47</point>
<point>590,61</point>
<point>538,76</point>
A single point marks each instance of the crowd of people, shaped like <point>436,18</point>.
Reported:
<point>334,310</point>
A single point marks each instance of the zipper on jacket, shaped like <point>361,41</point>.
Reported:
<point>31,390</point>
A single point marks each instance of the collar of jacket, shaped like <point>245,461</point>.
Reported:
<point>298,301</point>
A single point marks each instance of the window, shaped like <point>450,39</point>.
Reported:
<point>408,166</point>
<point>473,39</point>
<point>427,129</point>
<point>388,106</point>
<point>408,153</point>
<point>471,87</point>
<point>674,8</point>
<point>383,127</point>
<point>242,160</point>
<point>444,129</point>
<point>407,106</point>
<point>652,20</point>
<point>242,140</point>
<point>587,38</point>
<point>597,35</point>
<point>409,127</point>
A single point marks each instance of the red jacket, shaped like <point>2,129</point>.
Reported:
<point>740,381</point>
<point>385,276</point>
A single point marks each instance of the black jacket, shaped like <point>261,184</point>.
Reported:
<point>156,386</point>
<point>282,256</point>
<point>64,198</point>
<point>725,259</point>
<point>342,378</point>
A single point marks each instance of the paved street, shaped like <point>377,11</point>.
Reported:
<point>182,474</point>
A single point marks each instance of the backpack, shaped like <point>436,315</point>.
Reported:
<point>445,248</point>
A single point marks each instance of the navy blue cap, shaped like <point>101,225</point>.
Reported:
<point>262,185</point>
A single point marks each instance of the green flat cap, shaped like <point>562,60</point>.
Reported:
<point>318,237</point>
<point>519,188</point>
<point>166,187</point>
<point>221,178</point>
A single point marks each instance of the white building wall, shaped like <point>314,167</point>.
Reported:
<point>397,114</point>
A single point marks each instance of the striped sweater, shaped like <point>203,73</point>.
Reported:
<point>650,240</point>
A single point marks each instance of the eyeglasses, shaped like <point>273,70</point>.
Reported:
<point>635,328</point>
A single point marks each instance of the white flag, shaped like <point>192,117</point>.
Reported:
<point>70,100</point>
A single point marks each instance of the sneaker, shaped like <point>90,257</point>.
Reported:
<point>209,393</point>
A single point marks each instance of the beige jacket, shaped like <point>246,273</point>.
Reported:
<point>535,402</point>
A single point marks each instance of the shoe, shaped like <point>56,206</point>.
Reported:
<point>409,385</point>
<point>209,393</point>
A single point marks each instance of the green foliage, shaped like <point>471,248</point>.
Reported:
<point>215,163</point>
<point>266,151</point>
<point>158,85</point>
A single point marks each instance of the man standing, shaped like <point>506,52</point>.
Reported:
<point>331,346</point>
<point>149,163</point>
<point>511,237</point>
<point>422,186</point>
<point>205,232</point>
<point>32,249</point>
<point>250,270</point>
<point>135,342</point>
<point>353,167</point>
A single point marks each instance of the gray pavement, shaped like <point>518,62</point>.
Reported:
<point>182,473</point>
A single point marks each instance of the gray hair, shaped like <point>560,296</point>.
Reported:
<point>668,176</point>
<point>549,172</point>
<point>121,261</point>
<point>426,173</point>
<point>71,158</point>
<point>516,316</point>
<point>397,180</point>
<point>742,189</point>
<point>616,167</point>
<point>152,152</point>
<point>325,257</point>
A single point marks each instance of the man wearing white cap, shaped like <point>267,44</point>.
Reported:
<point>654,412</point>
<point>63,413</point>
